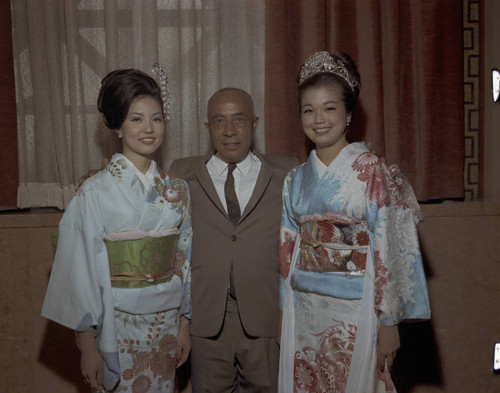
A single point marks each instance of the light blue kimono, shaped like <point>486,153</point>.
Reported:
<point>120,200</point>
<point>350,259</point>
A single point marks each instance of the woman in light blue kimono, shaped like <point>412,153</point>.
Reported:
<point>349,255</point>
<point>121,274</point>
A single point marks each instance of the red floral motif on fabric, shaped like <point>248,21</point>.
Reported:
<point>285,254</point>
<point>127,374</point>
<point>380,280</point>
<point>381,187</point>
<point>141,384</point>
<point>171,195</point>
<point>157,362</point>
<point>175,192</point>
<point>363,239</point>
<point>316,254</point>
<point>180,257</point>
<point>359,260</point>
<point>305,376</point>
<point>325,370</point>
<point>377,187</point>
<point>363,164</point>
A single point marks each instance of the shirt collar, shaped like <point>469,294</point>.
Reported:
<point>244,166</point>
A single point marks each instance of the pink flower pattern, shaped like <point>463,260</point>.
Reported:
<point>174,190</point>
<point>381,187</point>
<point>324,369</point>
<point>152,360</point>
<point>380,280</point>
<point>360,211</point>
<point>285,253</point>
<point>317,258</point>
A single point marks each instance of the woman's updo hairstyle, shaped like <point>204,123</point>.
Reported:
<point>118,89</point>
<point>322,69</point>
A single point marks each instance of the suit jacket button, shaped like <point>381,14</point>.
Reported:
<point>233,238</point>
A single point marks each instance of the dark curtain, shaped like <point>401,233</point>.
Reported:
<point>8,124</point>
<point>409,54</point>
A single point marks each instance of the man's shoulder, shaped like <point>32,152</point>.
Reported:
<point>182,166</point>
<point>281,161</point>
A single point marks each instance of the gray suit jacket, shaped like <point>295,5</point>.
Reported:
<point>251,246</point>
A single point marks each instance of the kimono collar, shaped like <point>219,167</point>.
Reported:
<point>320,167</point>
<point>147,179</point>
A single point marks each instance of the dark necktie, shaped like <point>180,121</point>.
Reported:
<point>233,211</point>
<point>233,207</point>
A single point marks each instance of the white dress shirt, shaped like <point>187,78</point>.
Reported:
<point>245,177</point>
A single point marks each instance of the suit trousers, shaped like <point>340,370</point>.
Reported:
<point>232,361</point>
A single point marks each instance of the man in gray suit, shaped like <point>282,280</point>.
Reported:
<point>234,264</point>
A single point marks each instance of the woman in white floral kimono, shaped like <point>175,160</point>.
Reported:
<point>349,255</point>
<point>121,274</point>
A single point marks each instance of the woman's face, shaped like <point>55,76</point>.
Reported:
<point>324,117</point>
<point>143,128</point>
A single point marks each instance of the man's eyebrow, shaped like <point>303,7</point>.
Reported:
<point>240,114</point>
<point>217,115</point>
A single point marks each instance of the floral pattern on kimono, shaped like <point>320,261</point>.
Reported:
<point>349,237</point>
<point>135,328</point>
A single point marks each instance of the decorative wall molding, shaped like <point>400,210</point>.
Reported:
<point>472,98</point>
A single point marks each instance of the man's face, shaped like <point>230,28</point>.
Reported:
<point>232,124</point>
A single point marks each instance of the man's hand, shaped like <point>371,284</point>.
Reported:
<point>183,342</point>
<point>388,344</point>
<point>91,363</point>
<point>92,172</point>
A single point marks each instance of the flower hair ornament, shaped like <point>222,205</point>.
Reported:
<point>166,95</point>
<point>321,62</point>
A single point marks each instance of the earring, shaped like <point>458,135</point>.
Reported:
<point>347,124</point>
<point>119,133</point>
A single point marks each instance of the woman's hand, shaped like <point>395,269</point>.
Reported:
<point>388,344</point>
<point>91,363</point>
<point>183,341</point>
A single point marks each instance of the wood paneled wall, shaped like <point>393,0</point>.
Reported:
<point>451,353</point>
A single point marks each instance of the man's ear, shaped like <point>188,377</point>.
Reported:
<point>255,123</point>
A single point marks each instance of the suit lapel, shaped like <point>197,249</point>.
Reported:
<point>207,184</point>
<point>265,175</point>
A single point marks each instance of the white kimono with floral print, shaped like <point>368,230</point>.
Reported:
<point>135,328</point>
<point>350,261</point>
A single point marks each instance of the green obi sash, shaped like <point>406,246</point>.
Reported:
<point>141,262</point>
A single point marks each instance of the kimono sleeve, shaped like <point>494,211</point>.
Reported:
<point>75,291</point>
<point>400,285</point>
<point>183,259</point>
<point>289,231</point>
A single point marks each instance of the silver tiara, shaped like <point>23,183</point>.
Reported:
<point>166,95</point>
<point>322,62</point>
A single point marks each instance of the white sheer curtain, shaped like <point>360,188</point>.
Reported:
<point>63,48</point>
